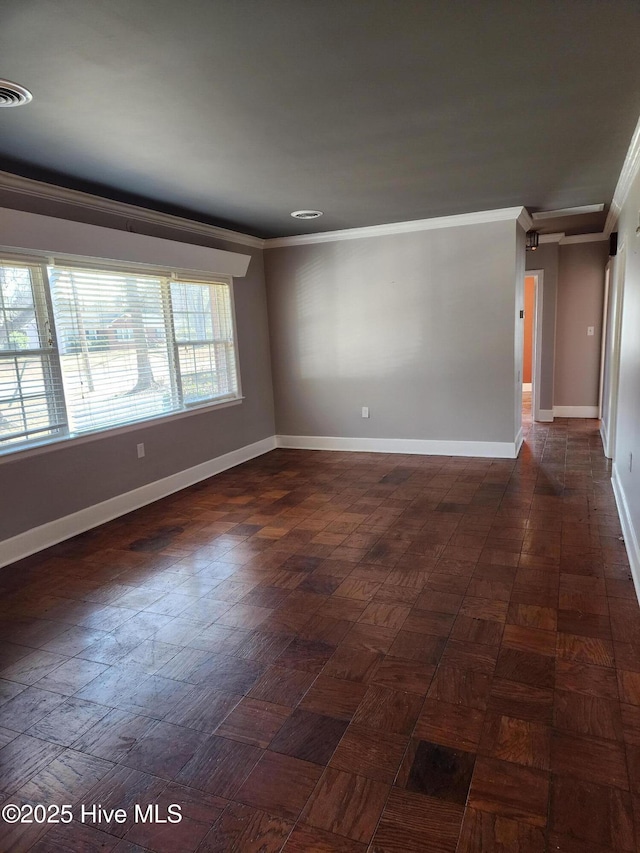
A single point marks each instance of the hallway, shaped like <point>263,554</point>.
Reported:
<point>340,652</point>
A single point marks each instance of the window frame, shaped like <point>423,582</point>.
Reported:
<point>176,344</point>
<point>44,311</point>
<point>49,355</point>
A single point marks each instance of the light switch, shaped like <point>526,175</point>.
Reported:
<point>590,330</point>
<point>365,411</point>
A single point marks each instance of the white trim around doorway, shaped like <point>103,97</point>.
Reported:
<point>536,362</point>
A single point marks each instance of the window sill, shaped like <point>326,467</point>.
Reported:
<point>61,442</point>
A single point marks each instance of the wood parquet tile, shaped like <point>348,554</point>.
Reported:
<point>483,832</point>
<point>198,811</point>
<point>346,804</point>
<point>243,829</point>
<point>337,653</point>
<point>309,736</point>
<point>437,771</point>
<point>510,790</point>
<point>592,813</point>
<point>367,752</point>
<point>280,784</point>
<point>219,766</point>
<point>413,823</point>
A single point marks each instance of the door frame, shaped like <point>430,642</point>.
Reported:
<point>536,358</point>
<point>603,344</point>
<point>610,405</point>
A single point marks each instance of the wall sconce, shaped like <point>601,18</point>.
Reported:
<point>532,241</point>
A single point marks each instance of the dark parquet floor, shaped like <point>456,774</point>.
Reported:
<point>339,653</point>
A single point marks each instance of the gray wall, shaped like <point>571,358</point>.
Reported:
<point>545,258</point>
<point>70,477</point>
<point>580,299</point>
<point>417,326</point>
<point>628,420</point>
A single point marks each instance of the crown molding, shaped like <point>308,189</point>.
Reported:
<point>88,201</point>
<point>53,236</point>
<point>524,219</point>
<point>506,214</point>
<point>630,169</point>
<point>76,198</point>
<point>567,211</point>
<point>584,238</point>
<point>562,240</point>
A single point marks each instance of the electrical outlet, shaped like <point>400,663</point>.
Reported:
<point>365,411</point>
<point>140,449</point>
<point>591,331</point>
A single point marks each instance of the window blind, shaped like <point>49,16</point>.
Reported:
<point>115,353</point>
<point>85,349</point>
<point>203,328</point>
<point>31,399</point>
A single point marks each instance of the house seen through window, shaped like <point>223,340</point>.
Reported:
<point>84,349</point>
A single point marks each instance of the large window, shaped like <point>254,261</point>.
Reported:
<point>31,403</point>
<point>84,349</point>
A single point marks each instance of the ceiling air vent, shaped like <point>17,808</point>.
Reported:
<point>306,214</point>
<point>12,95</point>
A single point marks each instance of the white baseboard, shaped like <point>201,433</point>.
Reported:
<point>519,440</point>
<point>575,411</point>
<point>628,530</point>
<point>46,535</point>
<point>605,438</point>
<point>526,386</point>
<point>425,447</point>
<point>545,416</point>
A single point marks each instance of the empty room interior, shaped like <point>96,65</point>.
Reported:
<point>319,426</point>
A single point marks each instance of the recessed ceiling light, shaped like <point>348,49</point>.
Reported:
<point>306,214</point>
<point>13,95</point>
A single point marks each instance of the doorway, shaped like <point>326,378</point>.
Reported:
<point>532,345</point>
